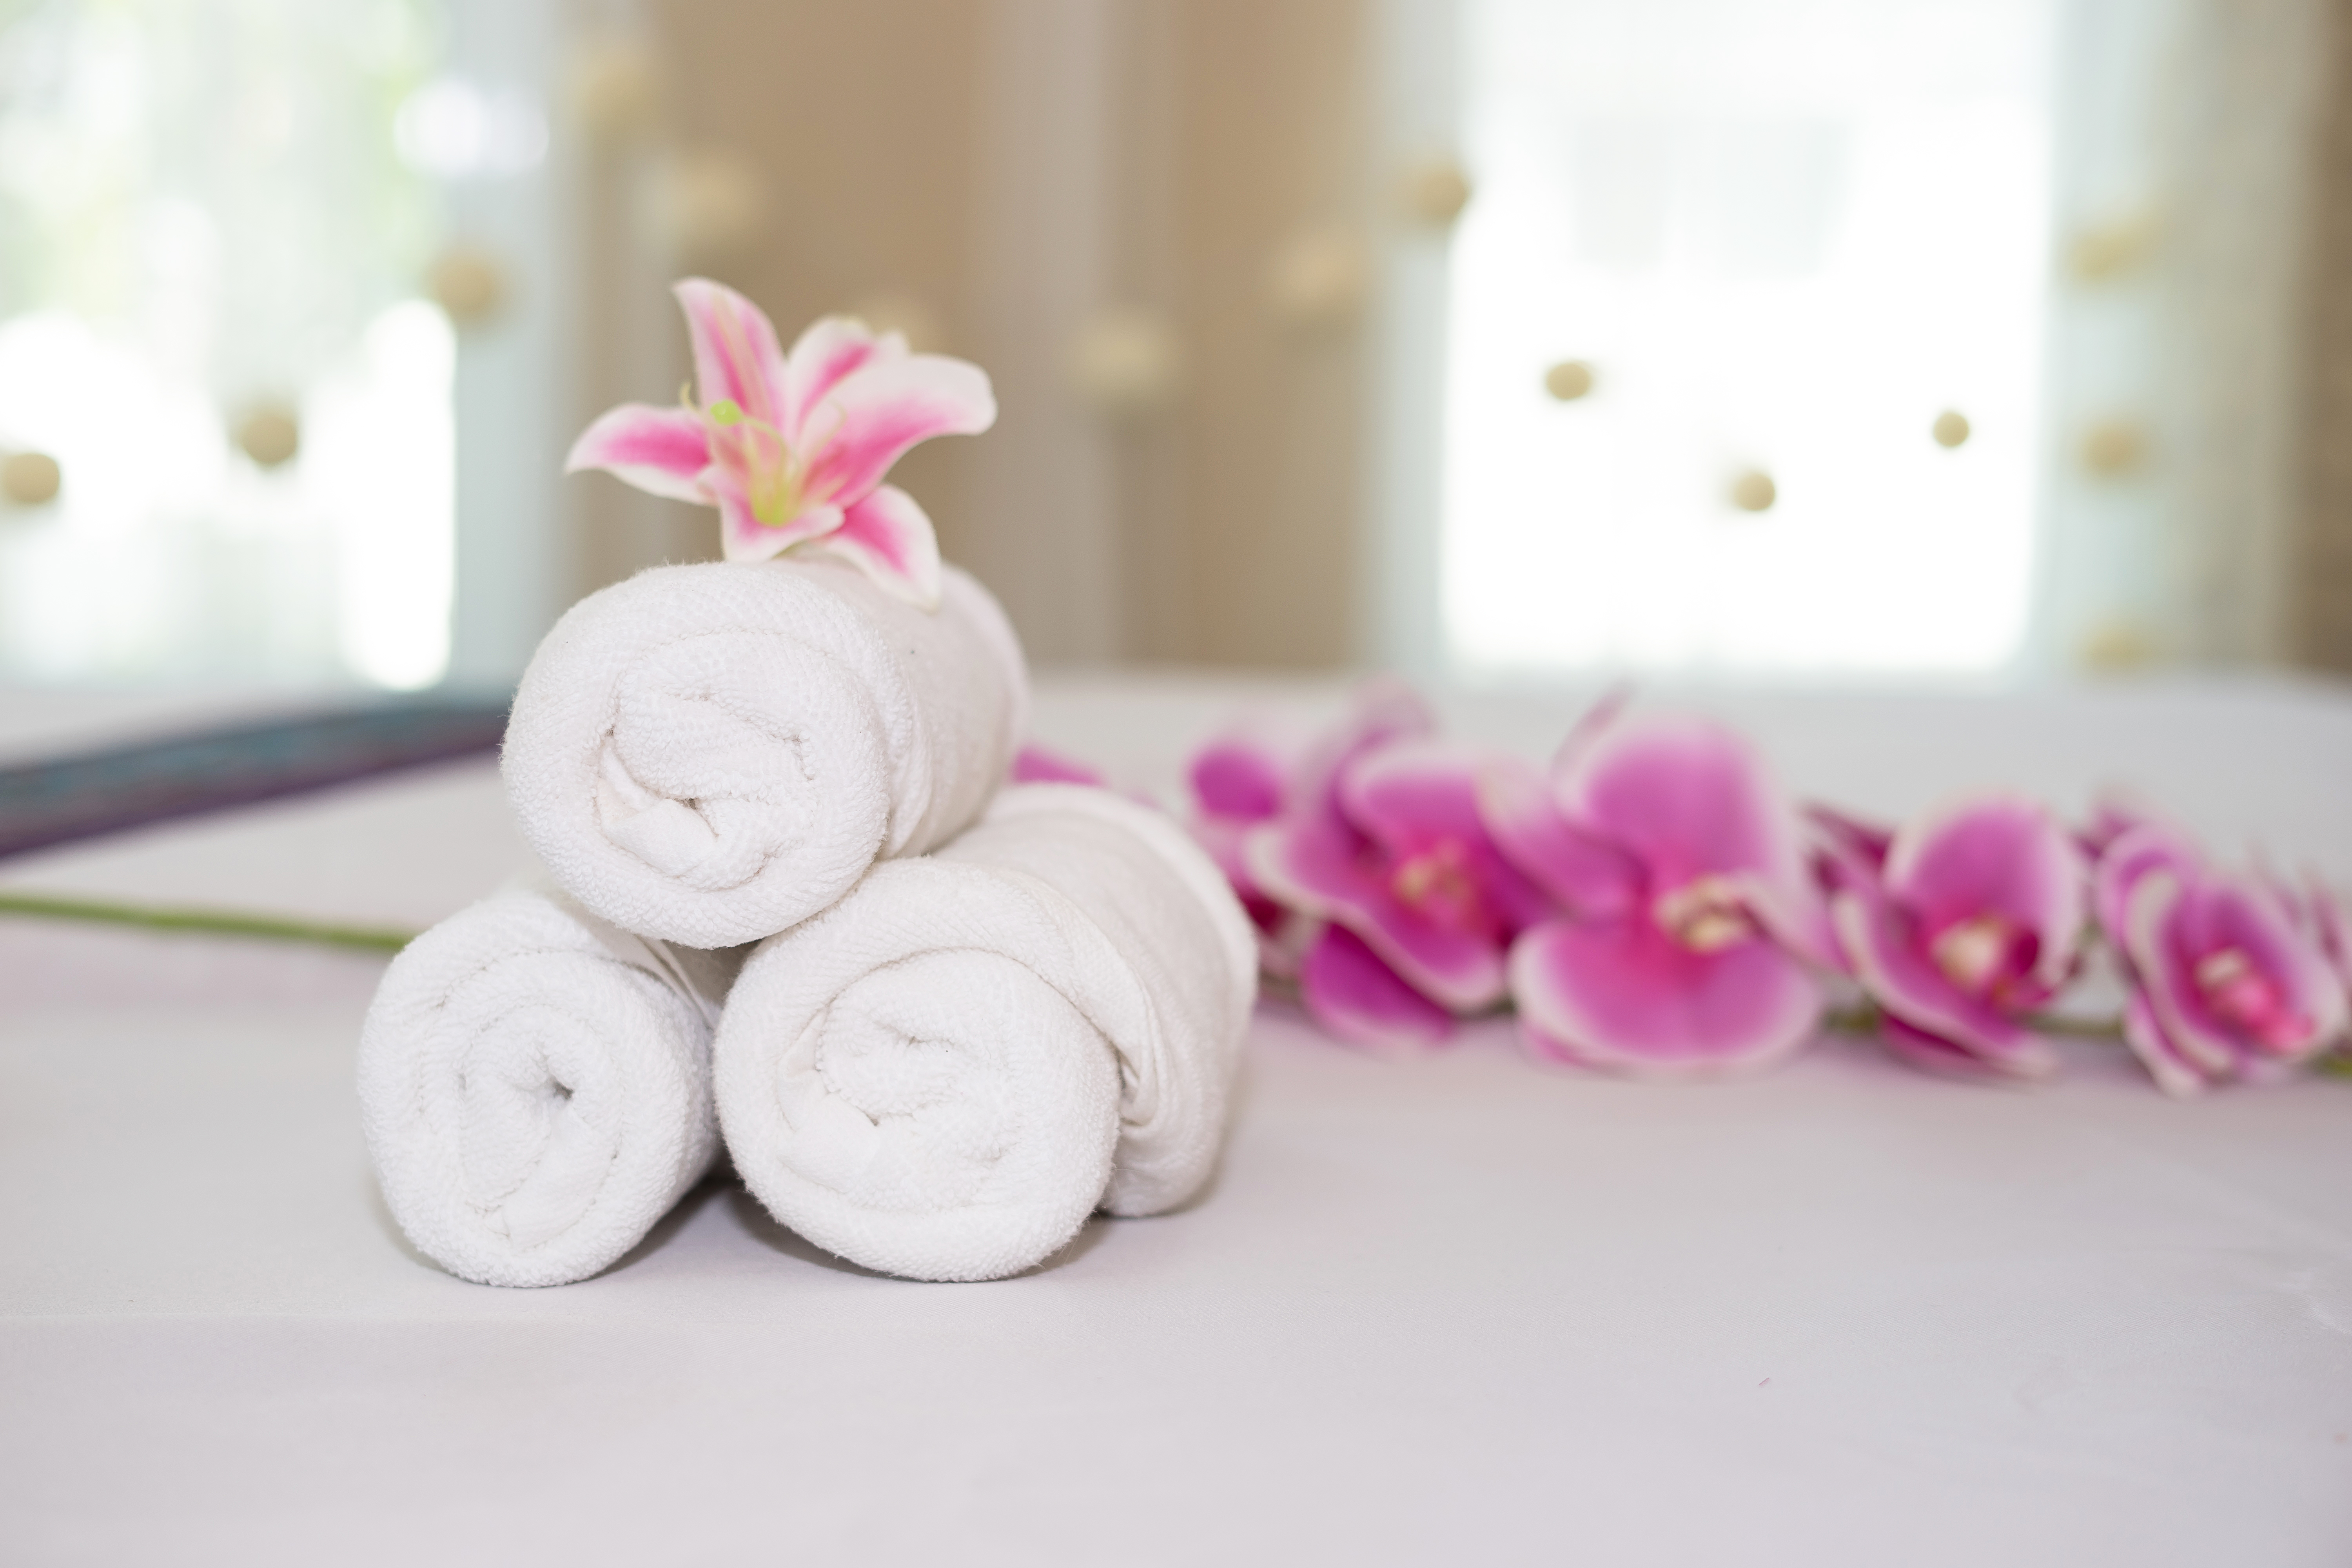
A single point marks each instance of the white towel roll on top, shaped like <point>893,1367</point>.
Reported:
<point>711,753</point>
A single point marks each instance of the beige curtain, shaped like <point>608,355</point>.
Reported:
<point>1145,217</point>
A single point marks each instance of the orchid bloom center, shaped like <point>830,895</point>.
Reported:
<point>1706,914</point>
<point>1979,953</point>
<point>2237,992</point>
<point>1437,883</point>
<point>758,454</point>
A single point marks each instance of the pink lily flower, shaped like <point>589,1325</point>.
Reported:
<point>1680,865</point>
<point>793,450</point>
<point>2228,980</point>
<point>1959,926</point>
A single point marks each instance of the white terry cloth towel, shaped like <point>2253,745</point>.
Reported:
<point>535,1084</point>
<point>944,1074</point>
<point>708,753</point>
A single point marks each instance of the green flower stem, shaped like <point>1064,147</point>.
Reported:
<point>214,922</point>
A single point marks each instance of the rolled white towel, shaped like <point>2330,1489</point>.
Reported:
<point>944,1074</point>
<point>709,754</point>
<point>535,1084</point>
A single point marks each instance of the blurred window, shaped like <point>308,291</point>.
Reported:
<point>213,218</point>
<point>1746,327</point>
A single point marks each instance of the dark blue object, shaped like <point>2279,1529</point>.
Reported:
<point>67,798</point>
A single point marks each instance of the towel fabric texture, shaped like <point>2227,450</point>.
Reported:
<point>944,1074</point>
<point>535,1085</point>
<point>711,753</point>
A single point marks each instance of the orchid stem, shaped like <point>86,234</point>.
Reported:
<point>216,923</point>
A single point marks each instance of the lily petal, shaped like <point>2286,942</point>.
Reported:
<point>890,538</point>
<point>736,357</point>
<point>742,537</point>
<point>660,450</point>
<point>1353,996</point>
<point>828,351</point>
<point>1617,994</point>
<point>871,415</point>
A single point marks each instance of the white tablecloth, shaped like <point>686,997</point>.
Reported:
<point>1461,1309</point>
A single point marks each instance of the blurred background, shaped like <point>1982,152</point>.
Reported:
<point>1950,341</point>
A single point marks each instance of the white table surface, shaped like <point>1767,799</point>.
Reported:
<point>1459,1308</point>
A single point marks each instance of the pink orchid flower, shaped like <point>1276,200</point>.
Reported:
<point>2228,979</point>
<point>1363,856</point>
<point>1038,764</point>
<point>793,450</point>
<point>1959,926</point>
<point>1679,863</point>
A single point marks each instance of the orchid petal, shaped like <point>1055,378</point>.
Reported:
<point>1618,994</point>
<point>736,357</point>
<point>660,450</point>
<point>2129,856</point>
<point>1240,778</point>
<point>744,537</point>
<point>1379,711</point>
<point>1683,796</point>
<point>1308,867</point>
<point>1355,996</point>
<point>831,349</point>
<point>1419,793</point>
<point>1035,764</point>
<point>1588,877</point>
<point>2001,856</point>
<point>2223,913</point>
<point>1933,1053</point>
<point>1899,977</point>
<point>871,415</point>
<point>2174,1073</point>
<point>1853,837</point>
<point>2171,995</point>
<point>890,538</point>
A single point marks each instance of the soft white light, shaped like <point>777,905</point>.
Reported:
<point>1786,236</point>
<point>453,130</point>
<point>382,465</point>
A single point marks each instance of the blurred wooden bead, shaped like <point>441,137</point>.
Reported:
<point>1950,429</point>
<point>468,283</point>
<point>2116,645</point>
<point>906,315</point>
<point>616,89</point>
<point>1433,191</point>
<point>1754,491</point>
<point>270,434</point>
<point>1569,380</point>
<point>2113,447</point>
<point>30,478</point>
<point>2105,252</point>
<point>1317,280</point>
<point>1125,364</point>
<point>715,204</point>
